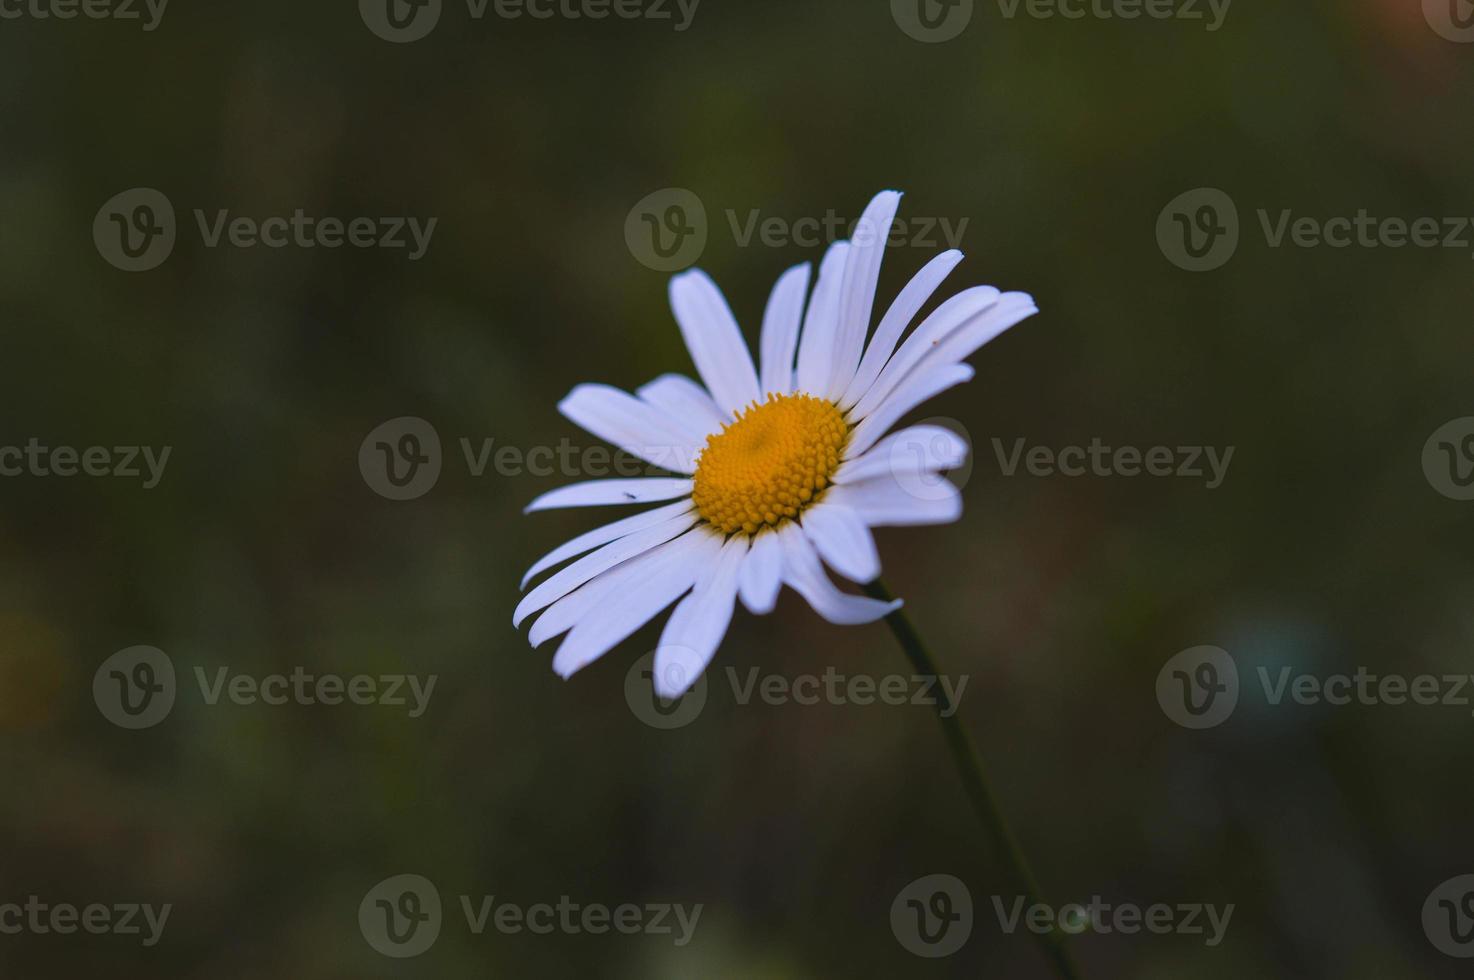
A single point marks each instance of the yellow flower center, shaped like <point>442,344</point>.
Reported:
<point>769,464</point>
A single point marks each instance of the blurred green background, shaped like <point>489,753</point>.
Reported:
<point>263,549</point>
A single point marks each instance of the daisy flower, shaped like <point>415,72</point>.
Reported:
<point>784,467</point>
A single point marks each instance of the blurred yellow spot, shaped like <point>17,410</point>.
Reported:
<point>769,464</point>
<point>33,674</point>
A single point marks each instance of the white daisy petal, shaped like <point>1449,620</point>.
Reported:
<point>802,571</point>
<point>685,403</point>
<point>761,576</point>
<point>634,426</point>
<point>564,614</point>
<point>714,340</point>
<point>780,329</point>
<point>625,610</point>
<point>1011,309</point>
<point>607,493</point>
<point>886,503</point>
<point>857,293</point>
<point>915,389</point>
<point>843,541</point>
<point>951,316</point>
<point>896,320</point>
<point>918,449</point>
<point>603,535</point>
<point>570,578</point>
<point>696,628</point>
<point>816,345</point>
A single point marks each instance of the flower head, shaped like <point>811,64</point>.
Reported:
<point>784,469</point>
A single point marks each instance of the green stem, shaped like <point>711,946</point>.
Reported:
<point>970,767</point>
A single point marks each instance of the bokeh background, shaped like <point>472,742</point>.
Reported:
<point>263,549</point>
